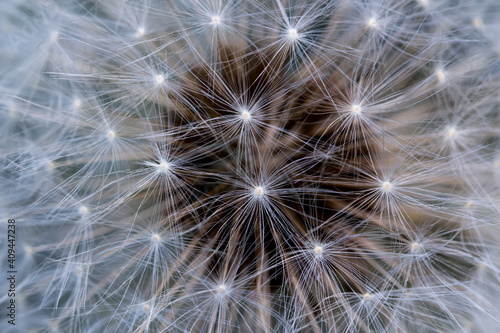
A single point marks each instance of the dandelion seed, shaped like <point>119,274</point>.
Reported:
<point>423,3</point>
<point>477,22</point>
<point>83,210</point>
<point>372,23</point>
<point>441,76</point>
<point>356,109</point>
<point>163,166</point>
<point>246,115</point>
<point>12,111</point>
<point>259,166</point>
<point>259,191</point>
<point>222,289</point>
<point>415,246</point>
<point>79,270</point>
<point>216,20</point>
<point>77,103</point>
<point>318,250</point>
<point>159,79</point>
<point>54,36</point>
<point>469,325</point>
<point>387,186</point>
<point>155,238</point>
<point>452,133</point>
<point>293,34</point>
<point>111,135</point>
<point>54,326</point>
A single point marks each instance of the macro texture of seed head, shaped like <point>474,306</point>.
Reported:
<point>252,166</point>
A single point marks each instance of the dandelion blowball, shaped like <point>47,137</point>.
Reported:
<point>252,166</point>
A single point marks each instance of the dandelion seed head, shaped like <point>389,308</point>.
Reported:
<point>313,163</point>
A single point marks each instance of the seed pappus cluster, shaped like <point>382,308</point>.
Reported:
<point>252,166</point>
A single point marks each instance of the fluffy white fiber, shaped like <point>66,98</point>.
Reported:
<point>251,165</point>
